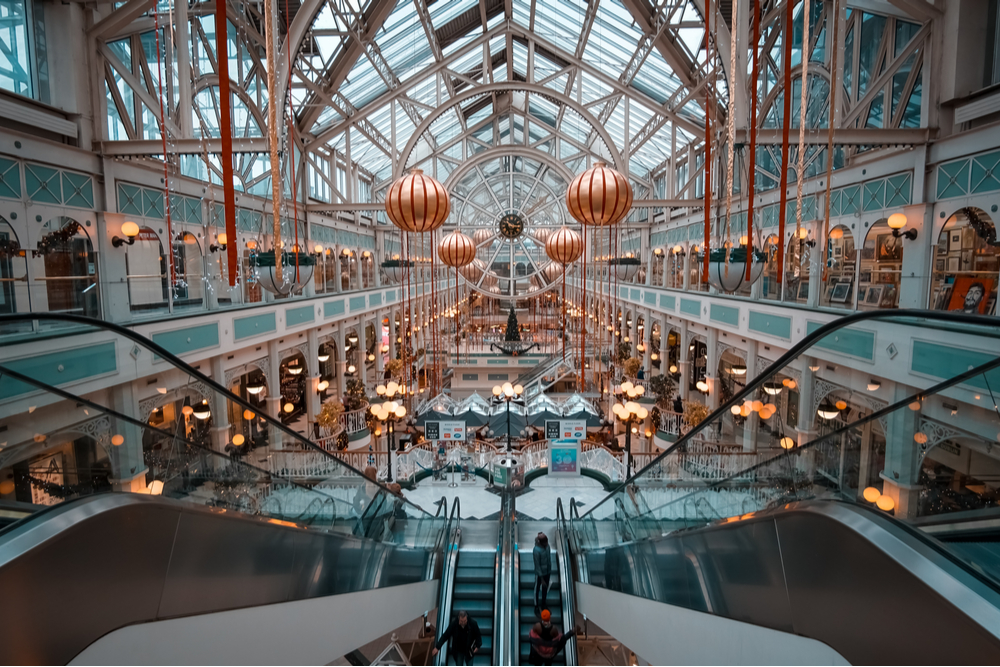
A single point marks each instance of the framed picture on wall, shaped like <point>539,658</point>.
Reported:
<point>888,248</point>
<point>888,297</point>
<point>838,251</point>
<point>841,292</point>
<point>970,294</point>
<point>865,277</point>
<point>942,248</point>
<point>828,294</point>
<point>874,295</point>
<point>942,297</point>
<point>991,306</point>
<point>803,290</point>
<point>939,265</point>
<point>954,241</point>
<point>862,293</point>
<point>953,263</point>
<point>867,253</point>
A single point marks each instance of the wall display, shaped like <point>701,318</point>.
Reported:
<point>828,294</point>
<point>572,429</point>
<point>955,241</point>
<point>865,277</point>
<point>888,297</point>
<point>838,251</point>
<point>888,248</point>
<point>445,431</point>
<point>970,295</point>
<point>564,457</point>
<point>803,290</point>
<point>953,264</point>
<point>862,292</point>
<point>939,265</point>
<point>841,292</point>
<point>867,253</point>
<point>874,295</point>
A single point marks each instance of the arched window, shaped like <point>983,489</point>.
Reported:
<point>841,260</point>
<point>66,264</point>
<point>881,267</point>
<point>147,270</point>
<point>966,264</point>
<point>189,291</point>
<point>14,297</point>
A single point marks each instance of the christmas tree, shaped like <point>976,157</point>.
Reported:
<point>513,333</point>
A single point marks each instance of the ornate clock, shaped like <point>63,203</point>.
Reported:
<point>511,226</point>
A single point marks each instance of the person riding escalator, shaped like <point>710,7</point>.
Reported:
<point>466,639</point>
<point>546,640</point>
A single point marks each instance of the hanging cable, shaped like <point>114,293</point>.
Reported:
<point>785,123</point>
<point>731,158</point>
<point>835,10</point>
<point>163,139</point>
<point>709,107</point>
<point>752,166</point>
<point>803,99</point>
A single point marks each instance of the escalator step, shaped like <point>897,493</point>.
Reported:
<point>474,574</point>
<point>475,607</point>
<point>470,591</point>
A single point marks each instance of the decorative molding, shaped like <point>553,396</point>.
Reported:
<point>263,365</point>
<point>822,389</point>
<point>721,347</point>
<point>936,433</point>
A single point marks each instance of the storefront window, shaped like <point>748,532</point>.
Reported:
<point>148,279</point>
<point>881,263</point>
<point>189,290</point>
<point>965,271</point>
<point>841,263</point>
<point>14,296</point>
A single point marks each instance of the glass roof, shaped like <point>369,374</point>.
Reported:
<point>602,62</point>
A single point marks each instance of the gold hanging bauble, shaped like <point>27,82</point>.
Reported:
<point>564,246</point>
<point>417,203</point>
<point>456,249</point>
<point>599,196</point>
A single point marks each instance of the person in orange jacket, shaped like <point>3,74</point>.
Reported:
<point>546,640</point>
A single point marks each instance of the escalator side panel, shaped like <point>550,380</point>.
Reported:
<point>845,592</point>
<point>121,559</point>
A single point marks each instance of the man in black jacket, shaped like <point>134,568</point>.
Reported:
<point>465,639</point>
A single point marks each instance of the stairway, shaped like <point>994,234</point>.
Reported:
<point>527,603</point>
<point>474,593</point>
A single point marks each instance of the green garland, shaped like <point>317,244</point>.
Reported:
<point>266,259</point>
<point>736,255</point>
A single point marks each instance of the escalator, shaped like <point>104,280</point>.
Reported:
<point>474,593</point>
<point>526,599</point>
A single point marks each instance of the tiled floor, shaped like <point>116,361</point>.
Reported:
<point>539,503</point>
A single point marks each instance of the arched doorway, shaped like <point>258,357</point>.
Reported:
<point>66,263</point>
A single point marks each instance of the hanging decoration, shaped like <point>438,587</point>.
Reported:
<point>831,123</point>
<point>731,130</point>
<point>727,267</point>
<point>599,196</point>
<point>800,170</point>
<point>786,117</point>
<point>564,247</point>
<point>709,112</point>
<point>481,236</point>
<point>272,140</point>
<point>457,250</point>
<point>752,169</point>
<point>226,135</point>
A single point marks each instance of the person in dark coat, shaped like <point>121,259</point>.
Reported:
<point>543,569</point>
<point>466,639</point>
<point>546,640</point>
<point>678,404</point>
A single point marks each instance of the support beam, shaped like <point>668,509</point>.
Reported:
<point>180,147</point>
<point>848,136</point>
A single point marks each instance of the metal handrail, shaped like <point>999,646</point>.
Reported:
<point>453,537</point>
<point>499,654</point>
<point>566,581</point>
<point>505,609</point>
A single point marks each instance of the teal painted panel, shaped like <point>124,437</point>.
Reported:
<point>357,303</point>
<point>78,190</point>
<point>301,315</point>
<point>772,325</point>
<point>77,364</point>
<point>529,362</point>
<point>42,184</point>
<point>622,292</point>
<point>497,362</point>
<point>245,327</point>
<point>333,308</point>
<point>852,342</point>
<point>634,295</point>
<point>668,301</point>
<point>493,377</point>
<point>850,200</point>
<point>897,190</point>
<point>985,174</point>
<point>953,179</point>
<point>649,297</point>
<point>375,299</point>
<point>152,203</point>
<point>691,307</point>
<point>390,295</point>
<point>470,377</point>
<point>725,314</point>
<point>189,339</point>
<point>874,195</point>
<point>945,361</point>
<point>129,199</point>
<point>10,179</point>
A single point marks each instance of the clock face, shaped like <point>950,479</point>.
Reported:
<point>511,226</point>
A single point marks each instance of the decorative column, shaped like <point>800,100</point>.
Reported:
<point>684,362</point>
<point>647,336</point>
<point>273,380</point>
<point>807,404</point>
<point>358,271</point>
<point>338,287</point>
<point>752,422</point>
<point>312,368</point>
<point>816,260</point>
<point>392,332</point>
<point>220,409</point>
<point>712,369</point>
<point>379,355</point>
<point>128,466</point>
<point>901,475</point>
<point>686,278</point>
<point>917,257</point>
<point>338,337</point>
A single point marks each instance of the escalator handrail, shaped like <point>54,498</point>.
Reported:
<point>833,434</point>
<point>183,366</point>
<point>452,536</point>
<point>505,633</point>
<point>894,317</point>
<point>566,581</point>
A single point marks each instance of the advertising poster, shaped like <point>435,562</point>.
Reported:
<point>564,457</point>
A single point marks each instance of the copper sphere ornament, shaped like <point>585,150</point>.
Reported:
<point>473,271</point>
<point>417,203</point>
<point>481,236</point>
<point>599,196</point>
<point>552,272</point>
<point>564,246</point>
<point>456,249</point>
